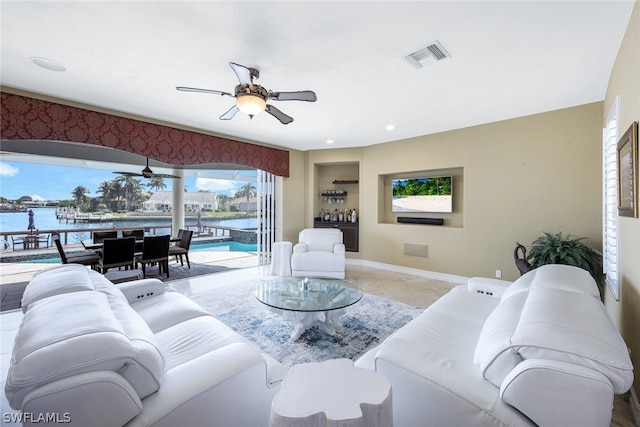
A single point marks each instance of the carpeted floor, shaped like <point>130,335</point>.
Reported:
<point>364,325</point>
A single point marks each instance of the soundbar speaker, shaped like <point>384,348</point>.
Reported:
<point>426,221</point>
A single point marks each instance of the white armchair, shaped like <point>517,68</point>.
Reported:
<point>319,253</point>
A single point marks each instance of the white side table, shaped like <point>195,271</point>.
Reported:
<point>332,393</point>
<point>281,259</point>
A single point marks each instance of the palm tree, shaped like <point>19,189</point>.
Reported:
<point>80,195</point>
<point>106,188</point>
<point>223,201</point>
<point>132,188</point>
<point>247,190</point>
<point>156,183</point>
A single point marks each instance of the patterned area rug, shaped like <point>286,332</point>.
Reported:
<point>364,325</point>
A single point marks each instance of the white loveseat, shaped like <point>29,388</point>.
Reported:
<point>319,253</point>
<point>541,351</point>
<point>136,354</point>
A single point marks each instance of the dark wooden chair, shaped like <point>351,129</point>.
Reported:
<point>85,258</point>
<point>181,248</point>
<point>138,234</point>
<point>99,236</point>
<point>155,249</point>
<point>118,252</point>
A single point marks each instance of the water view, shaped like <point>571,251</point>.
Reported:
<point>45,219</point>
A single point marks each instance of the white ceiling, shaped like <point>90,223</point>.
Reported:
<point>509,59</point>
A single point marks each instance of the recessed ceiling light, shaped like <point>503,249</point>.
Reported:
<point>48,64</point>
<point>330,141</point>
<point>390,127</point>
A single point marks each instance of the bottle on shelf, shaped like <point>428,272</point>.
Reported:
<point>354,216</point>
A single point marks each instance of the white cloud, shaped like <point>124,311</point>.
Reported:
<point>216,185</point>
<point>6,170</point>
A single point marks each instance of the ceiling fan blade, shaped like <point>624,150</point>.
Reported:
<point>284,119</point>
<point>195,89</point>
<point>243,73</point>
<point>303,95</point>
<point>163,175</point>
<point>230,114</point>
<point>129,174</point>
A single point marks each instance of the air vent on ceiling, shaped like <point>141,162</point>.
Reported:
<point>433,53</point>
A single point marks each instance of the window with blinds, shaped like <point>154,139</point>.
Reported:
<point>610,200</point>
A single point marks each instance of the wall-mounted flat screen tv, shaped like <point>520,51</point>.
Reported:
<point>428,194</point>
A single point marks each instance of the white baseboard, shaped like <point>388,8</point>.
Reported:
<point>635,407</point>
<point>408,270</point>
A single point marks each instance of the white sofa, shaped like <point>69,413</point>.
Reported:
<point>319,253</point>
<point>541,351</point>
<point>136,354</point>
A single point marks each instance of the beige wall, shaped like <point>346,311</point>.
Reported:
<point>624,83</point>
<point>521,177</point>
<point>292,209</point>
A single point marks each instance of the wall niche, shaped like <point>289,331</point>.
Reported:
<point>385,197</point>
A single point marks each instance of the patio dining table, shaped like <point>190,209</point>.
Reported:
<point>91,245</point>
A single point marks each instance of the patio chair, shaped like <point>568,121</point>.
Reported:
<point>181,248</point>
<point>118,252</point>
<point>99,236</point>
<point>138,234</point>
<point>155,249</point>
<point>17,240</point>
<point>85,258</point>
<point>43,239</point>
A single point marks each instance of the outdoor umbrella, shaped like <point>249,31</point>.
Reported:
<point>31,225</point>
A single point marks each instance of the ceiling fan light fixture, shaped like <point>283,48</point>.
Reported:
<point>251,104</point>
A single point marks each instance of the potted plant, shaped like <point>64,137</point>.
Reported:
<point>554,248</point>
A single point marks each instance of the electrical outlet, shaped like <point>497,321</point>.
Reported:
<point>498,274</point>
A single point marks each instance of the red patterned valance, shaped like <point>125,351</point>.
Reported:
<point>24,118</point>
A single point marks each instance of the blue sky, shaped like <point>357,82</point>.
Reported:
<point>57,182</point>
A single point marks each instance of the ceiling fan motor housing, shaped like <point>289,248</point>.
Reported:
<point>255,90</point>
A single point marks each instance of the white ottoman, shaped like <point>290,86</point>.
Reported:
<point>281,259</point>
<point>333,393</point>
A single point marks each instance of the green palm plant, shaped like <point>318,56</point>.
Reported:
<point>554,248</point>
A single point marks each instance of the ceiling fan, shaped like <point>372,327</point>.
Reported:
<point>252,98</point>
<point>148,173</point>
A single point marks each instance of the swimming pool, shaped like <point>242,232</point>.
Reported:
<point>229,246</point>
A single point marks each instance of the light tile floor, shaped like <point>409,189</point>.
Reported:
<point>409,289</point>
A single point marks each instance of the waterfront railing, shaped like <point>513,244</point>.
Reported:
<point>205,230</point>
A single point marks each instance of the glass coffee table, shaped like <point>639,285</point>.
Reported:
<point>308,301</point>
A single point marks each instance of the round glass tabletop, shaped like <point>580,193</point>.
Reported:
<point>307,294</point>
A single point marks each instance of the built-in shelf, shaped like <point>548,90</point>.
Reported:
<point>345,181</point>
<point>334,193</point>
